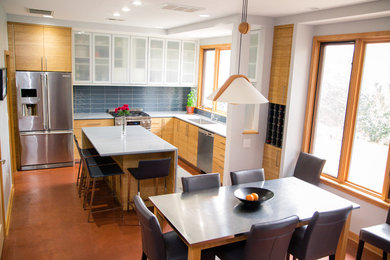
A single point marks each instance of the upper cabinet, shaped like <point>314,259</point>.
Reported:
<point>102,58</point>
<point>133,60</point>
<point>120,59</point>
<point>188,62</point>
<point>253,55</point>
<point>82,57</point>
<point>156,61</point>
<point>138,57</point>
<point>280,66</point>
<point>172,62</point>
<point>42,48</point>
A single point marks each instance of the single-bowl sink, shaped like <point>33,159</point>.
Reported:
<point>202,121</point>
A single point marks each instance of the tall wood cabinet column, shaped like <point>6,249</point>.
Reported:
<point>278,89</point>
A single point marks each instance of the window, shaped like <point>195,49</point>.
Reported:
<point>348,116</point>
<point>214,71</point>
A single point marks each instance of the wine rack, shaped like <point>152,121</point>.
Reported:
<point>275,124</point>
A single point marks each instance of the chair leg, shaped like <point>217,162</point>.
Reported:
<point>144,257</point>
<point>360,250</point>
<point>384,255</point>
<point>91,202</point>
<point>86,191</point>
<point>332,257</point>
<point>78,174</point>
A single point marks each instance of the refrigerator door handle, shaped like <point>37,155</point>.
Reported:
<point>44,100</point>
<point>48,103</point>
<point>45,132</point>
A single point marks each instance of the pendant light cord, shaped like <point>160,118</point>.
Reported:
<point>244,17</point>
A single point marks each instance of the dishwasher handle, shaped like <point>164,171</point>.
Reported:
<point>201,131</point>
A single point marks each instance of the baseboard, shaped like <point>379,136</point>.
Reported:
<point>355,239</point>
<point>9,210</point>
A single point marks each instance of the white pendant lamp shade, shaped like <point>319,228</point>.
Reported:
<point>238,90</point>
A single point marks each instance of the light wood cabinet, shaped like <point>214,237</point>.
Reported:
<point>185,138</point>
<point>42,48</point>
<point>163,127</point>
<point>78,124</point>
<point>280,65</point>
<point>271,161</point>
<point>192,144</point>
<point>219,154</point>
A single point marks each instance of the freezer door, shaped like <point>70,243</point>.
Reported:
<point>59,108</point>
<point>44,148</point>
<point>30,101</point>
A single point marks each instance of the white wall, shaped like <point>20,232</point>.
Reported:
<point>4,130</point>
<point>216,40</point>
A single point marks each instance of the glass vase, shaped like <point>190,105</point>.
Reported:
<point>123,125</point>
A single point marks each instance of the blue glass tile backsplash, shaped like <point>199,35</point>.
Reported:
<point>97,99</point>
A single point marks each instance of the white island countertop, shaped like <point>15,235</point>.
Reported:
<point>109,141</point>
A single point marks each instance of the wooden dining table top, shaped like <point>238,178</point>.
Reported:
<point>212,214</point>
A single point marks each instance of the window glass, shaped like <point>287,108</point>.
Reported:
<point>223,74</point>
<point>372,131</point>
<point>208,77</point>
<point>334,79</point>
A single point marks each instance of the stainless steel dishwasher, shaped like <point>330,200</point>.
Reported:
<point>205,150</point>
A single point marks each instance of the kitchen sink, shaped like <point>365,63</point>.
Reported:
<point>202,121</point>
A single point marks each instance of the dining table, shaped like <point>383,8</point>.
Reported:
<point>214,217</point>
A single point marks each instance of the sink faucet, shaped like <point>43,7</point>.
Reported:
<point>212,116</point>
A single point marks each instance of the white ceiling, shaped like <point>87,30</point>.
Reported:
<point>150,14</point>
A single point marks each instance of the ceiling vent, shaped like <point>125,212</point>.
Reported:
<point>115,19</point>
<point>39,11</point>
<point>181,8</point>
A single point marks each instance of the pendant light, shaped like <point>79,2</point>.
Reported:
<point>237,89</point>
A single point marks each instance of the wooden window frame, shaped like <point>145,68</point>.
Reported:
<point>217,48</point>
<point>341,181</point>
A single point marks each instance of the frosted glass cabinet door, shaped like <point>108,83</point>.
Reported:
<point>253,55</point>
<point>102,58</point>
<point>82,57</point>
<point>188,63</point>
<point>120,59</point>
<point>138,72</point>
<point>172,62</point>
<point>156,61</point>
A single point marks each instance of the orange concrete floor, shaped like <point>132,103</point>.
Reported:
<point>48,222</point>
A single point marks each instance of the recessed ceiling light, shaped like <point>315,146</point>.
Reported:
<point>137,2</point>
<point>47,16</point>
<point>125,9</point>
<point>204,15</point>
<point>116,14</point>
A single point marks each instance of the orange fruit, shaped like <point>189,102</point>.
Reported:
<point>255,196</point>
<point>250,197</point>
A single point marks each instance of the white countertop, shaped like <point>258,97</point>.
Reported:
<point>217,128</point>
<point>108,141</point>
<point>86,116</point>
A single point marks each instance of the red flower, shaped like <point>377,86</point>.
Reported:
<point>116,110</point>
<point>125,105</point>
<point>127,108</point>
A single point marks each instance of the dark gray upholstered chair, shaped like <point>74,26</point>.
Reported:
<point>149,169</point>
<point>378,236</point>
<point>309,168</point>
<point>245,176</point>
<point>265,241</point>
<point>201,182</point>
<point>157,245</point>
<point>320,237</point>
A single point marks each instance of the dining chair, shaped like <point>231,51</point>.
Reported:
<point>245,176</point>
<point>265,241</point>
<point>201,182</point>
<point>309,168</point>
<point>320,237</point>
<point>157,245</point>
<point>378,236</point>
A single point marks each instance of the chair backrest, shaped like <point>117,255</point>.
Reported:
<point>323,233</point>
<point>153,244</point>
<point>152,168</point>
<point>78,146</point>
<point>245,176</point>
<point>388,216</point>
<point>309,168</point>
<point>200,182</point>
<point>270,240</point>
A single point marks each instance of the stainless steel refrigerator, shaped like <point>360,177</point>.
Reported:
<point>45,119</point>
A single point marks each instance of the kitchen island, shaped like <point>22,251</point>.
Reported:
<point>127,150</point>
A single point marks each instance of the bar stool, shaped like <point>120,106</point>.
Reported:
<point>95,172</point>
<point>150,169</point>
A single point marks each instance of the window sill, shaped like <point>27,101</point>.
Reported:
<point>214,112</point>
<point>355,193</point>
